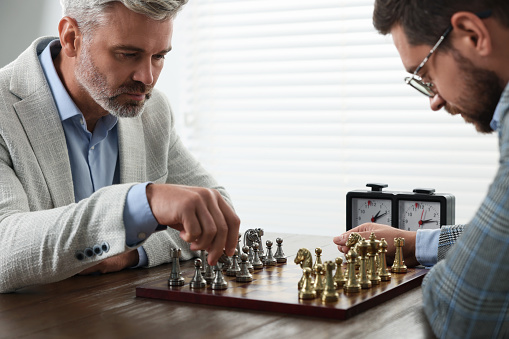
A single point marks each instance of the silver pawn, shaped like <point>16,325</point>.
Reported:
<point>280,255</point>
<point>269,259</point>
<point>244,275</point>
<point>198,281</point>
<point>176,278</point>
<point>209,273</point>
<point>234,268</point>
<point>203,257</point>
<point>257,263</point>
<point>218,283</point>
<point>245,249</point>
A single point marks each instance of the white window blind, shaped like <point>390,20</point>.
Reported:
<point>291,104</point>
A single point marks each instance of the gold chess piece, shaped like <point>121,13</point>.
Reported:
<point>318,252</point>
<point>372,252</point>
<point>399,264</point>
<point>339,277</point>
<point>385,275</point>
<point>351,285</point>
<point>318,286</point>
<point>307,291</point>
<point>329,294</point>
<point>363,252</point>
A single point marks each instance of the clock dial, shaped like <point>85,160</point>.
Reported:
<point>371,210</point>
<point>415,215</point>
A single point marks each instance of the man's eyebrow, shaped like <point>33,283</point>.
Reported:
<point>138,49</point>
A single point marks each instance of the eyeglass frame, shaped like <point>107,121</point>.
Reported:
<point>415,80</point>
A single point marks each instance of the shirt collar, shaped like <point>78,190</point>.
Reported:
<point>502,106</point>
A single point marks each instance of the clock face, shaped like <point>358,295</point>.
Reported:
<point>415,215</point>
<point>371,210</point>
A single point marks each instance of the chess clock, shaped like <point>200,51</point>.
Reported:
<point>420,209</point>
<point>425,209</point>
<point>373,205</point>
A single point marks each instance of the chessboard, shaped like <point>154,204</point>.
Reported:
<point>274,289</point>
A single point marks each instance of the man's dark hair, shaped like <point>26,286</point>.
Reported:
<point>423,21</point>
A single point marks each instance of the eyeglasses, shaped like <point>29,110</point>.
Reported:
<point>416,81</point>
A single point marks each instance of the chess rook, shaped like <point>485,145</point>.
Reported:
<point>329,293</point>
<point>176,278</point>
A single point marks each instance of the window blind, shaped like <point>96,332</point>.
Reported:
<point>291,104</point>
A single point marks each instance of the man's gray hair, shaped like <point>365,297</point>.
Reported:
<point>90,13</point>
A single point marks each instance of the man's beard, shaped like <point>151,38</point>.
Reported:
<point>482,93</point>
<point>94,82</point>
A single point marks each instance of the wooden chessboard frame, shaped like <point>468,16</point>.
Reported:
<point>274,289</point>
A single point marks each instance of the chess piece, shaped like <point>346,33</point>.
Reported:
<point>203,257</point>
<point>244,275</point>
<point>197,281</point>
<point>269,259</point>
<point>307,291</point>
<point>329,293</point>
<point>318,285</point>
<point>280,255</point>
<point>385,275</point>
<point>318,261</point>
<point>399,264</point>
<point>257,263</point>
<point>224,261</point>
<point>372,252</point>
<point>304,259</point>
<point>209,273</point>
<point>238,244</point>
<point>218,283</point>
<point>339,277</point>
<point>363,254</point>
<point>351,285</point>
<point>176,278</point>
<point>246,249</point>
<point>234,268</point>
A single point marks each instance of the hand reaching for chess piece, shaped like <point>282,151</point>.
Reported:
<point>387,232</point>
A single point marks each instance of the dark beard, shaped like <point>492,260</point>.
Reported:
<point>483,91</point>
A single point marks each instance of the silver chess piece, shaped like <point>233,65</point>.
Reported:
<point>209,273</point>
<point>246,250</point>
<point>176,278</point>
<point>257,263</point>
<point>269,259</point>
<point>244,275</point>
<point>234,268</point>
<point>219,283</point>
<point>280,255</point>
<point>198,281</point>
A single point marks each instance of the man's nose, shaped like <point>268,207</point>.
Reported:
<point>436,102</point>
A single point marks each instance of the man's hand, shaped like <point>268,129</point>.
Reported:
<point>387,232</point>
<point>201,215</point>
<point>114,264</point>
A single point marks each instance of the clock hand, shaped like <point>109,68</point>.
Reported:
<point>427,221</point>
<point>378,216</point>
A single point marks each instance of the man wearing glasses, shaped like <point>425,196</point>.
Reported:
<point>458,56</point>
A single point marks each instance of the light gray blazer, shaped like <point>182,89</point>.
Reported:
<point>41,227</point>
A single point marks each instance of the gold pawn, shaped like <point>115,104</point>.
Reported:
<point>339,277</point>
<point>399,264</point>
<point>329,294</point>
<point>307,291</point>
<point>385,275</point>
<point>363,251</point>
<point>318,252</point>
<point>351,285</point>
<point>372,251</point>
<point>318,286</point>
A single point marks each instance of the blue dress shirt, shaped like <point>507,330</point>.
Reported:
<point>94,156</point>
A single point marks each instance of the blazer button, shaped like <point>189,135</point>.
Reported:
<point>79,255</point>
<point>98,250</point>
<point>89,252</point>
<point>105,247</point>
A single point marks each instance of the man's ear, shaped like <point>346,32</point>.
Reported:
<point>70,36</point>
<point>471,35</point>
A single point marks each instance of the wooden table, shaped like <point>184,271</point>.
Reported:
<point>106,307</point>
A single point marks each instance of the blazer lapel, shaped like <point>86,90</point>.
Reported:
<point>39,116</point>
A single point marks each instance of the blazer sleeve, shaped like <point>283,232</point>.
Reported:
<point>182,169</point>
<point>466,295</point>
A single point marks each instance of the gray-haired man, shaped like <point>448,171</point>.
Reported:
<point>90,163</point>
